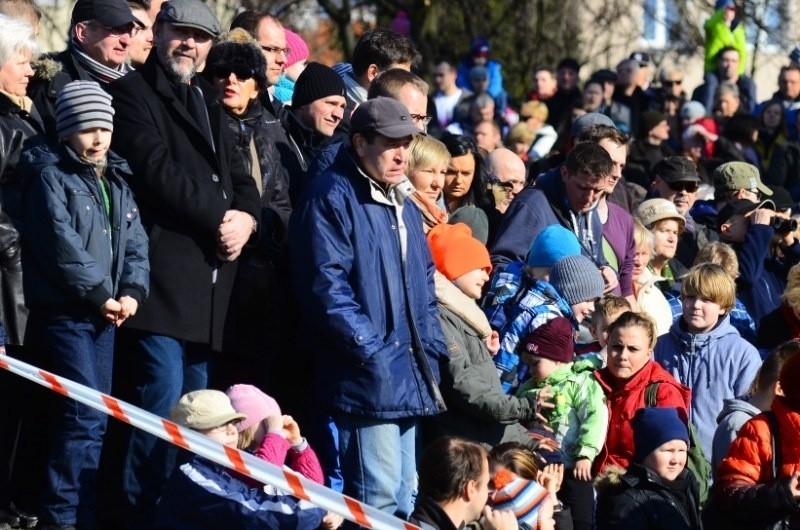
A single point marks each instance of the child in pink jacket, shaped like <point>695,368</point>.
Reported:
<point>271,436</point>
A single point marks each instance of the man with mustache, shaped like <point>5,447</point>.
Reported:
<point>199,207</point>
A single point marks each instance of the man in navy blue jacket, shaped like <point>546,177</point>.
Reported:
<point>363,277</point>
<point>567,195</point>
<point>747,226</point>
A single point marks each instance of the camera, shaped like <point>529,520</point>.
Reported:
<point>783,226</point>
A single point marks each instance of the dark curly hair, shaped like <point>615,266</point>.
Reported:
<point>478,194</point>
<point>236,49</point>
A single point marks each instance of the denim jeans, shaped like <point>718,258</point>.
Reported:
<point>163,369</point>
<point>82,350</point>
<point>379,461</point>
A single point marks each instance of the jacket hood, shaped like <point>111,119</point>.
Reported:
<point>731,406</point>
<point>46,68</point>
<point>37,158</point>
<point>550,184</point>
<point>609,479</point>
<point>701,340</point>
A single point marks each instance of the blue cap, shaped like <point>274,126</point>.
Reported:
<point>552,244</point>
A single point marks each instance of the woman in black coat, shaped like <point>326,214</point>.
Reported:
<point>258,312</point>
<point>656,492</point>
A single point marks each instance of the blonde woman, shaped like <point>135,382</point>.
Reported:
<point>648,295</point>
<point>427,166</point>
<point>784,323</point>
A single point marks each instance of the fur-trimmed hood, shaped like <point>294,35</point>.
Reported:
<point>46,68</point>
<point>609,479</point>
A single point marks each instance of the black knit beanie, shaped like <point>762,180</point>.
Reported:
<point>317,81</point>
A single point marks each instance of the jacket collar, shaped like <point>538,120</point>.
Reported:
<point>153,71</point>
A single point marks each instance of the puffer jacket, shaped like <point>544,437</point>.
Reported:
<point>638,499</point>
<point>580,417</point>
<point>477,407</point>
<point>202,495</point>
<point>717,365</point>
<point>624,398</point>
<point>19,129</point>
<point>376,335</point>
<point>735,413</point>
<point>72,253</point>
<point>745,488</point>
<point>516,304</point>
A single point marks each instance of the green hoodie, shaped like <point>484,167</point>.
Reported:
<point>580,417</point>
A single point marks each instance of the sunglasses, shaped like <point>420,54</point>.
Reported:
<point>672,83</point>
<point>688,187</point>
<point>242,73</point>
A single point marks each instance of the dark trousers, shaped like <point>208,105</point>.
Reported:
<point>578,496</point>
<point>82,350</point>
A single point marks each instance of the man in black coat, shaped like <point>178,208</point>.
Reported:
<point>199,207</point>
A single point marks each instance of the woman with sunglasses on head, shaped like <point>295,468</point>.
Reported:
<point>466,192</point>
<point>236,66</point>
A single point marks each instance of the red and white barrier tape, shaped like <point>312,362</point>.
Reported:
<point>244,463</point>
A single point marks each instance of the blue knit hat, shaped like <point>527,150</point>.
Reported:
<point>552,244</point>
<point>655,426</point>
<point>794,56</point>
<point>577,279</point>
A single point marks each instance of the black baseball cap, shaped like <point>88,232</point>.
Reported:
<point>741,207</point>
<point>676,169</point>
<point>110,13</point>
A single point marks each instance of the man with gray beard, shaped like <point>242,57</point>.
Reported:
<point>199,207</point>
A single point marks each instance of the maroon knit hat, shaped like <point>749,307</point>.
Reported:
<point>552,340</point>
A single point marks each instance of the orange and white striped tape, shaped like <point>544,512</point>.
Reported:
<point>244,463</point>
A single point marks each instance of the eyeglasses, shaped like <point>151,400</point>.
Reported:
<point>242,73</point>
<point>494,180</point>
<point>276,50</point>
<point>687,186</point>
<point>672,83</point>
<point>418,118</point>
<point>118,31</point>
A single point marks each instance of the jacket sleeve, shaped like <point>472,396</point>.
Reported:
<point>306,463</point>
<point>157,175</point>
<point>752,254</point>
<point>276,208</point>
<point>471,392</point>
<point>744,486</point>
<point>592,415</point>
<point>746,368</point>
<point>135,278</point>
<point>273,449</point>
<point>322,258</point>
<point>626,267</point>
<point>521,224</point>
<point>59,251</point>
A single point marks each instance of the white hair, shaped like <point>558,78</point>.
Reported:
<point>16,36</point>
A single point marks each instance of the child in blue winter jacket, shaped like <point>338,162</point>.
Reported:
<point>202,495</point>
<point>704,351</point>
<point>575,283</point>
<point>86,271</point>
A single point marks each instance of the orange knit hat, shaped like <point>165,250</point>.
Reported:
<point>455,252</point>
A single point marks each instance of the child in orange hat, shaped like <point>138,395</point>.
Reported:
<point>478,409</point>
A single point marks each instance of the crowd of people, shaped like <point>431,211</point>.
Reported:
<point>597,326</point>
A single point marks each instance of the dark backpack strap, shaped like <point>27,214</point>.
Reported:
<point>651,395</point>
<point>776,445</point>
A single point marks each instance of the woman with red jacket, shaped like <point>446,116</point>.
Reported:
<point>630,371</point>
<point>746,491</point>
